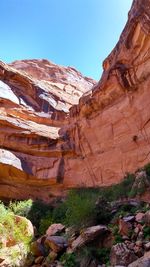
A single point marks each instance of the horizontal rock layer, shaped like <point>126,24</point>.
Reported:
<point>110,128</point>
<point>33,109</point>
<point>45,149</point>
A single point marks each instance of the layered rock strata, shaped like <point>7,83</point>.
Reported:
<point>33,109</point>
<point>46,149</point>
<point>110,128</point>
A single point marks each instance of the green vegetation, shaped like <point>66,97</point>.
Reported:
<point>103,255</point>
<point>83,207</point>
<point>99,255</point>
<point>77,211</point>
<point>80,208</point>
<point>15,238</point>
<point>10,230</point>
<point>147,169</point>
<point>69,260</point>
<point>38,212</point>
<point>21,208</point>
<point>146,232</point>
<point>115,230</point>
<point>45,222</point>
<point>80,212</point>
<point>59,213</point>
<point>121,190</point>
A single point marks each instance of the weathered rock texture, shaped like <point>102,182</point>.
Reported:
<point>34,105</point>
<point>43,147</point>
<point>110,128</point>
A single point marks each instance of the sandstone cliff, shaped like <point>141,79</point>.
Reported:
<point>44,148</point>
<point>35,97</point>
<point>110,128</point>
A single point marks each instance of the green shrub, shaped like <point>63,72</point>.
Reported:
<point>102,255</point>
<point>59,213</point>
<point>80,208</point>
<point>21,208</point>
<point>38,211</point>
<point>69,260</point>
<point>147,169</point>
<point>115,231</point>
<point>146,232</point>
<point>15,234</point>
<point>10,230</point>
<point>132,193</point>
<point>45,222</point>
<point>120,190</point>
<point>139,187</point>
<point>142,187</point>
<point>103,211</point>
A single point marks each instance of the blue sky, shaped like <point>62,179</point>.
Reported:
<point>78,33</point>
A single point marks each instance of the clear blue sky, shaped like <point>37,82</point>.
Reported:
<point>79,33</point>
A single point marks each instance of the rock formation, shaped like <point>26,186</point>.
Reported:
<point>34,105</point>
<point>110,128</point>
<point>46,149</point>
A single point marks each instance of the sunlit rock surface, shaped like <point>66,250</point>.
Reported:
<point>110,128</point>
<point>35,97</point>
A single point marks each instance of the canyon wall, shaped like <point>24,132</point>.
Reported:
<point>110,128</point>
<point>45,148</point>
<point>35,97</point>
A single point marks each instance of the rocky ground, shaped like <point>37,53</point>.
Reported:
<point>119,234</point>
<point>132,250</point>
<point>124,242</point>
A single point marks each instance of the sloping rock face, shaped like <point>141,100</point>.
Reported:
<point>110,128</point>
<point>45,149</point>
<point>33,108</point>
<point>65,85</point>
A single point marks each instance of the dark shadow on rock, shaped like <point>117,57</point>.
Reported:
<point>61,170</point>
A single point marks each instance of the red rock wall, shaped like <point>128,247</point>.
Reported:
<point>110,128</point>
<point>32,112</point>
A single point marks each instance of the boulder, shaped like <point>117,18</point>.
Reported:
<point>138,228</point>
<point>56,243</point>
<point>147,218</point>
<point>28,227</point>
<point>39,259</point>
<point>1,260</point>
<point>139,217</point>
<point>52,255</point>
<point>121,255</point>
<point>37,249</point>
<point>89,234</point>
<point>50,259</point>
<point>124,227</point>
<point>55,229</point>
<point>147,246</point>
<point>130,218</point>
<point>141,262</point>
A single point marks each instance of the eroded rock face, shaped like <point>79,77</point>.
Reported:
<point>110,128</point>
<point>33,109</point>
<point>44,148</point>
